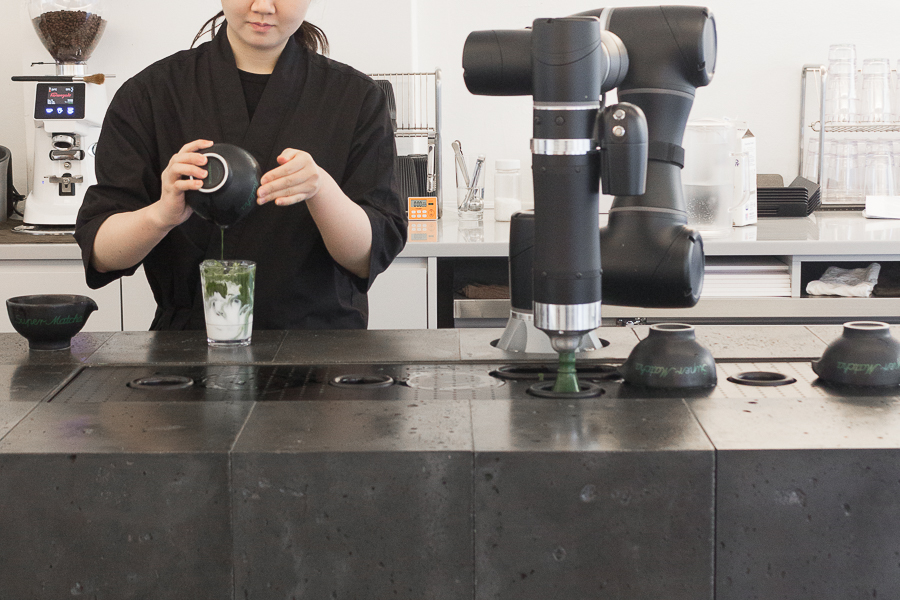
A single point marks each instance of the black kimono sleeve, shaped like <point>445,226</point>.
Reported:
<point>370,181</point>
<point>127,174</point>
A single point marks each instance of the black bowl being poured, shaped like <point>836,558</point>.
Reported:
<point>229,189</point>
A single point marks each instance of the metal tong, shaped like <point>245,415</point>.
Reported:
<point>472,186</point>
<point>460,161</point>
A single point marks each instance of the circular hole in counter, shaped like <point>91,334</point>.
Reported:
<point>540,372</point>
<point>603,344</point>
<point>160,382</point>
<point>362,381</point>
<point>544,389</point>
<point>761,378</point>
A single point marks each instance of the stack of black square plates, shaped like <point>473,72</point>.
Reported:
<point>799,199</point>
<point>411,175</point>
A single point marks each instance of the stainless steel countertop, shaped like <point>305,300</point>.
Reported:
<point>824,233</point>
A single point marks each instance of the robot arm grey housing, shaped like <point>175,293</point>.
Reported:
<point>652,260</point>
<point>650,257</point>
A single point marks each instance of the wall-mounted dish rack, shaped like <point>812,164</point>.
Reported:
<point>416,112</point>
<point>813,82</point>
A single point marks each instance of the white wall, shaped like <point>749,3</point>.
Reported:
<point>762,46</point>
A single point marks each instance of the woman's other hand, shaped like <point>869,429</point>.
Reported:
<point>344,225</point>
<point>298,178</point>
<point>172,210</point>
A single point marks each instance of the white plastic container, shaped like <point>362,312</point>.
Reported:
<point>744,211</point>
<point>708,175</point>
<point>506,189</point>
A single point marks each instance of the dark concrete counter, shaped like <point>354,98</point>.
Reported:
<point>262,480</point>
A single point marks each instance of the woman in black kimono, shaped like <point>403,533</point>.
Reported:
<point>329,217</point>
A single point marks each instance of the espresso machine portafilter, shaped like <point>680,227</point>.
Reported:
<point>566,65</point>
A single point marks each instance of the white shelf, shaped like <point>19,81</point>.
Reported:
<point>821,238</point>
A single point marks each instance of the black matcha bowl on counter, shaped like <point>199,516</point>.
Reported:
<point>670,358</point>
<point>866,354</point>
<point>49,321</point>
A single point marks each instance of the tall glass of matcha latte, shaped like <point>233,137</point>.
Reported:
<point>228,301</point>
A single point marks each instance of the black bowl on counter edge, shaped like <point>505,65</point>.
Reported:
<point>670,358</point>
<point>866,354</point>
<point>49,321</point>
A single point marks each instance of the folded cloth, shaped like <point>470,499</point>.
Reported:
<point>482,291</point>
<point>888,285</point>
<point>855,283</point>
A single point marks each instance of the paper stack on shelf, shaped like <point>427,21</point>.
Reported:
<point>882,207</point>
<point>747,276</point>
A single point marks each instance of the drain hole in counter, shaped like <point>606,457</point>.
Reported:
<point>545,390</point>
<point>540,372</point>
<point>761,378</point>
<point>161,382</point>
<point>362,381</point>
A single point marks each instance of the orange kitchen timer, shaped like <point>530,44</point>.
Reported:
<point>422,209</point>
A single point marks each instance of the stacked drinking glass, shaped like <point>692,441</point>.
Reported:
<point>862,102</point>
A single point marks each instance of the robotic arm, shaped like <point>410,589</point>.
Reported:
<point>656,57</point>
<point>650,257</point>
<point>566,66</point>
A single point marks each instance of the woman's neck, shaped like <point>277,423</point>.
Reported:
<point>253,60</point>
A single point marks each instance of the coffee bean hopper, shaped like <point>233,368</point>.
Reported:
<point>68,111</point>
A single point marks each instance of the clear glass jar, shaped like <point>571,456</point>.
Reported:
<point>69,29</point>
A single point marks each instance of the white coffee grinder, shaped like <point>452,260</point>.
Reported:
<point>68,112</point>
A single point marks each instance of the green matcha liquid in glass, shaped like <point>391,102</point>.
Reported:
<point>228,301</point>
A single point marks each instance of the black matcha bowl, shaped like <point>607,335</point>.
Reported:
<point>670,358</point>
<point>49,321</point>
<point>229,189</point>
<point>866,354</point>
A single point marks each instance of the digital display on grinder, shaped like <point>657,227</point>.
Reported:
<point>59,101</point>
<point>61,94</point>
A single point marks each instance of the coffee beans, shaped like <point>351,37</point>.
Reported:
<point>69,35</point>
